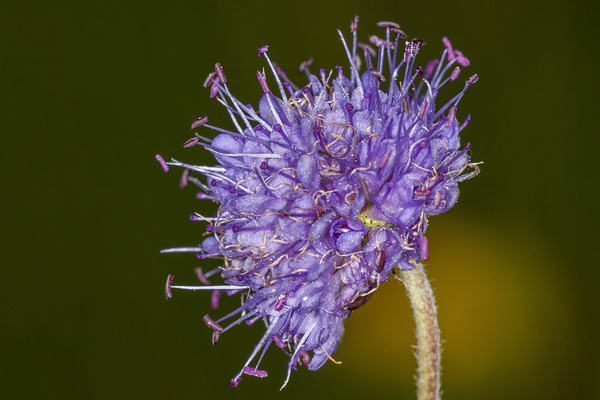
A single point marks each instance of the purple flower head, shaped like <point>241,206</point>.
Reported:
<point>325,189</point>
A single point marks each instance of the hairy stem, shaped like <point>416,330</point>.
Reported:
<point>429,347</point>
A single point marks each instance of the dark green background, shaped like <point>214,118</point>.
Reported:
<point>92,91</point>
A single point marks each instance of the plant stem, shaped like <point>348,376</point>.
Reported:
<point>429,347</point>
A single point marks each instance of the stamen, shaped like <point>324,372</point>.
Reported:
<point>212,324</point>
<point>399,32</point>
<point>183,181</point>
<point>263,82</point>
<point>461,59</point>
<point>162,162</point>
<point>278,341</point>
<point>388,24</point>
<point>214,299</point>
<point>454,74</point>
<point>255,372</point>
<point>220,73</point>
<point>423,247</point>
<point>209,79</point>
<point>199,122</point>
<point>448,46</point>
<point>168,286</point>
<point>262,50</point>
<point>190,142</point>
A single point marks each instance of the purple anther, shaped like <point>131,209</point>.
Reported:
<point>461,59</point>
<point>354,24</point>
<point>255,372</point>
<point>291,294</point>
<point>400,33</point>
<point>162,162</point>
<point>305,64</point>
<point>201,277</point>
<point>231,189</point>
<point>423,248</point>
<point>209,79</point>
<point>235,228</point>
<point>305,357</point>
<point>220,73</point>
<point>388,24</point>
<point>430,68</point>
<point>213,182</point>
<point>215,337</point>
<point>183,181</point>
<point>214,90</point>
<point>291,253</point>
<point>236,381</point>
<point>278,341</point>
<point>454,74</point>
<point>214,299</point>
<point>377,41</point>
<point>262,50</point>
<point>277,127</point>
<point>190,142</point>
<point>168,293</point>
<point>419,69</point>
<point>365,47</point>
<point>448,46</point>
<point>377,74</point>
<point>349,107</point>
<point>210,229</point>
<point>280,302</point>
<point>451,115</point>
<point>472,79</point>
<point>212,324</point>
<point>423,110</point>
<point>199,122</point>
<point>263,82</point>
<point>264,165</point>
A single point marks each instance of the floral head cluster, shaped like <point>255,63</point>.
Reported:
<point>325,189</point>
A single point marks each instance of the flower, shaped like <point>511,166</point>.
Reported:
<point>325,190</point>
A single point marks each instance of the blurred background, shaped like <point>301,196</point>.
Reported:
<point>91,91</point>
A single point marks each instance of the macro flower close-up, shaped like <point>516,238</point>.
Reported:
<point>374,200</point>
<point>325,189</point>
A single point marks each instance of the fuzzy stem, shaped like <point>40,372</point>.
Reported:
<point>429,347</point>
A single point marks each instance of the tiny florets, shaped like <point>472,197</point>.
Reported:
<point>325,190</point>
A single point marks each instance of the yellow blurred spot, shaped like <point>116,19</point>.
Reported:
<point>501,305</point>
